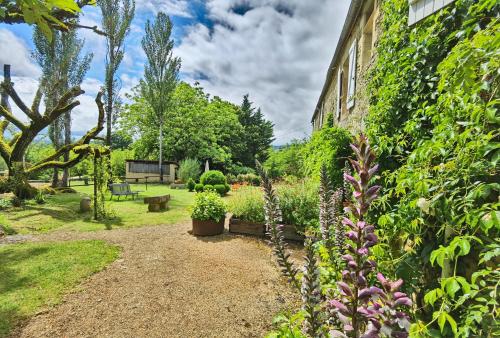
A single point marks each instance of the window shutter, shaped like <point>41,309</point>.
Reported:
<point>351,87</point>
<point>339,93</point>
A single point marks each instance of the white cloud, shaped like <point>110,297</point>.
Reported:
<point>16,53</point>
<point>169,7</point>
<point>276,51</point>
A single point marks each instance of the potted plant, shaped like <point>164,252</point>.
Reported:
<point>208,214</point>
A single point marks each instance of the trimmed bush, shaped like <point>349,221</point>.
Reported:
<point>198,187</point>
<point>227,188</point>
<point>208,187</point>
<point>191,184</point>
<point>220,188</point>
<point>208,206</point>
<point>213,177</point>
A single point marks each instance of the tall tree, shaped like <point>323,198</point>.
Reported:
<point>258,134</point>
<point>160,73</point>
<point>63,67</point>
<point>116,19</point>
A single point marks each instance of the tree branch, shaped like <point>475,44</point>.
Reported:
<point>11,118</point>
<point>9,89</point>
<point>76,147</point>
<point>62,106</point>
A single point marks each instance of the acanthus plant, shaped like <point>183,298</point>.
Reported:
<point>363,309</point>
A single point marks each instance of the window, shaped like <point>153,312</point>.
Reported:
<point>367,42</point>
<point>351,85</point>
<point>340,75</point>
<point>420,9</point>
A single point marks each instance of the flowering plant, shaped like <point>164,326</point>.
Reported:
<point>208,206</point>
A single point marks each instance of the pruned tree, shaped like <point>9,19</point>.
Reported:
<point>62,67</point>
<point>160,73</point>
<point>13,148</point>
<point>116,19</point>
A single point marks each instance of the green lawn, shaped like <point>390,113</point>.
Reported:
<point>62,212</point>
<point>35,275</point>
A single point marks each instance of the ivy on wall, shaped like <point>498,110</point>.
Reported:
<point>434,121</point>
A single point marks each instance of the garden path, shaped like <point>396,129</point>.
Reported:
<point>168,283</point>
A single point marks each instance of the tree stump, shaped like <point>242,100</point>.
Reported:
<point>157,203</point>
<point>85,204</point>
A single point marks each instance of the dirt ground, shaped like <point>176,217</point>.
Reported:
<point>168,283</point>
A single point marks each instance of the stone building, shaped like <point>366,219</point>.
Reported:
<point>138,171</point>
<point>344,93</point>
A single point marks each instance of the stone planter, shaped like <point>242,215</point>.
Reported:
<point>239,226</point>
<point>208,228</point>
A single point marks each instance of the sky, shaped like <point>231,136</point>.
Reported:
<point>277,51</point>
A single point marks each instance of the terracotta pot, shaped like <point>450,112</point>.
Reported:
<point>208,228</point>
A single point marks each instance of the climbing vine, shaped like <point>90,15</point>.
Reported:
<point>434,122</point>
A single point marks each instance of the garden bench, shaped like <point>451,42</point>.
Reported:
<point>157,203</point>
<point>122,189</point>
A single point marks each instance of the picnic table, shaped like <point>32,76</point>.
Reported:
<point>157,203</point>
<point>122,189</point>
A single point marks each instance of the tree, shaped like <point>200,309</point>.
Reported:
<point>62,68</point>
<point>13,150</point>
<point>160,73</point>
<point>116,19</point>
<point>47,15</point>
<point>258,134</point>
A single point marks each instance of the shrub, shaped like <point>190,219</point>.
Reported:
<point>250,179</point>
<point>118,161</point>
<point>227,188</point>
<point>213,177</point>
<point>330,147</point>
<point>220,189</point>
<point>40,197</point>
<point>299,203</point>
<point>189,169</point>
<point>16,202</point>
<point>231,179</point>
<point>208,187</point>
<point>208,206</point>
<point>4,204</point>
<point>191,184</point>
<point>4,186</point>
<point>198,187</point>
<point>247,204</point>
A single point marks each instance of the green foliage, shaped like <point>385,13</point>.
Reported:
<point>434,120</point>
<point>257,134</point>
<point>191,112</point>
<point>198,187</point>
<point>213,177</point>
<point>4,203</point>
<point>328,146</point>
<point>191,184</point>
<point>286,161</point>
<point>250,179</point>
<point>247,204</point>
<point>118,161</point>
<point>299,203</point>
<point>40,13</point>
<point>4,185</point>
<point>189,169</point>
<point>40,197</point>
<point>208,206</point>
<point>208,187</point>
<point>220,189</point>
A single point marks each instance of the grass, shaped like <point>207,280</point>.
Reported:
<point>62,212</point>
<point>36,275</point>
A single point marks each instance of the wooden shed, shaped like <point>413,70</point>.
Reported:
<point>141,170</point>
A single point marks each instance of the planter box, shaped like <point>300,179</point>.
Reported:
<point>239,226</point>
<point>208,228</point>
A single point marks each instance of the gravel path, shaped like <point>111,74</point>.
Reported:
<point>168,283</point>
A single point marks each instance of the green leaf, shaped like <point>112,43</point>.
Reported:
<point>441,321</point>
<point>452,322</point>
<point>431,296</point>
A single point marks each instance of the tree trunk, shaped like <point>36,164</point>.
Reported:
<point>67,141</point>
<point>161,152</point>
<point>109,109</point>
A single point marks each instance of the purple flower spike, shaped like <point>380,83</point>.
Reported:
<point>371,311</point>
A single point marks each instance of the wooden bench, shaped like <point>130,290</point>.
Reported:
<point>122,189</point>
<point>157,203</point>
